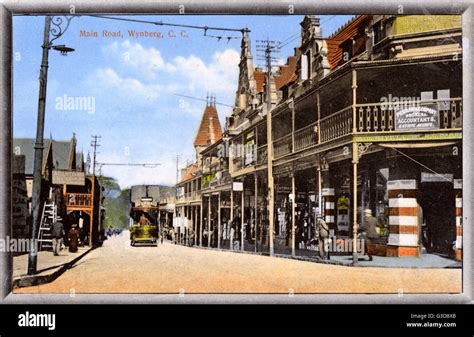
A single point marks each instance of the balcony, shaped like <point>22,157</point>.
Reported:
<point>374,118</point>
<point>78,200</point>
<point>380,117</point>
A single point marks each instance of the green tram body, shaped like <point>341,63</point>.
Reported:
<point>144,233</point>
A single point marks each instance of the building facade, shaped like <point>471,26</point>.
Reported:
<point>369,118</point>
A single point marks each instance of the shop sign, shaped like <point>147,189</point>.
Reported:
<point>343,203</point>
<point>69,178</point>
<point>436,177</point>
<point>238,186</point>
<point>417,118</point>
<point>408,137</point>
<point>283,189</point>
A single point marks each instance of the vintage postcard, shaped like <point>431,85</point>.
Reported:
<point>177,153</point>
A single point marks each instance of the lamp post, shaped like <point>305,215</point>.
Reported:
<point>60,25</point>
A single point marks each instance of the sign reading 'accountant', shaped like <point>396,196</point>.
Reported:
<point>417,118</point>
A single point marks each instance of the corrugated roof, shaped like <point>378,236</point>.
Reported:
<point>210,129</point>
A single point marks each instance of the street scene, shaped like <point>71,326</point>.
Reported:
<point>296,154</point>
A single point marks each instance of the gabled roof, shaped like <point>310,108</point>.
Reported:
<point>259,77</point>
<point>188,175</point>
<point>346,32</point>
<point>61,152</point>
<point>210,129</point>
<point>287,72</point>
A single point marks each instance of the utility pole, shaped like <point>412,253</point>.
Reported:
<point>270,46</point>
<point>177,169</point>
<point>95,145</point>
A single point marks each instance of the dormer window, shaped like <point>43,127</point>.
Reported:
<point>242,99</point>
<point>305,72</point>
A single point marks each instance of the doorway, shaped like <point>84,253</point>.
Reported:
<point>438,211</point>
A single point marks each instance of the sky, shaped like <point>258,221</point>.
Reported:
<point>124,88</point>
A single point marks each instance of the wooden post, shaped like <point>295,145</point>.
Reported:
<point>293,222</point>
<point>209,222</point>
<point>355,160</point>
<point>92,211</point>
<point>195,222</point>
<point>201,222</point>
<point>318,104</point>
<point>256,209</point>
<point>219,220</point>
<point>242,220</point>
<point>292,107</point>
<point>231,220</point>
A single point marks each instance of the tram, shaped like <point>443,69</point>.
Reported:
<point>144,215</point>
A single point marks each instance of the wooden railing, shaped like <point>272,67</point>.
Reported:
<point>262,154</point>
<point>306,137</point>
<point>282,146</point>
<point>336,125</point>
<point>371,117</point>
<point>380,117</point>
<point>79,199</point>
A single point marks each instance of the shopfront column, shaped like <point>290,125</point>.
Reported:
<point>242,213</point>
<point>329,195</point>
<point>195,225</point>
<point>219,220</point>
<point>293,215</point>
<point>403,218</point>
<point>458,210</point>
<point>201,222</point>
<point>209,222</point>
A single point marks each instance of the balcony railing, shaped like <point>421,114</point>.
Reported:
<point>282,146</point>
<point>262,154</point>
<point>380,117</point>
<point>336,125</point>
<point>306,137</point>
<point>371,117</point>
<point>79,199</point>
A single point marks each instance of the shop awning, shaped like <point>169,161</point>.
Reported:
<point>414,145</point>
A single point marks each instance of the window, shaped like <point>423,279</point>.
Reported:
<point>304,67</point>
<point>377,32</point>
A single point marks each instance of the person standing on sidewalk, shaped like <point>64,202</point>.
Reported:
<point>57,233</point>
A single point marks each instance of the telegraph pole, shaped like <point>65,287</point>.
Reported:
<point>270,46</point>
<point>95,144</point>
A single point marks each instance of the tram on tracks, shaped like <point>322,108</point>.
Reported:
<point>144,215</point>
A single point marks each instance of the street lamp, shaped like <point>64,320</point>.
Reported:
<point>59,27</point>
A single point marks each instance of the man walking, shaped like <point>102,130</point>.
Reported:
<point>323,233</point>
<point>57,233</point>
<point>369,231</point>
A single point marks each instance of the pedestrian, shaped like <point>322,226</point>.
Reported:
<point>368,231</point>
<point>73,237</point>
<point>57,233</point>
<point>323,235</point>
<point>231,237</point>
<point>81,231</point>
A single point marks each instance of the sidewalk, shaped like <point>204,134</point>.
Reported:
<point>424,261</point>
<point>49,267</point>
